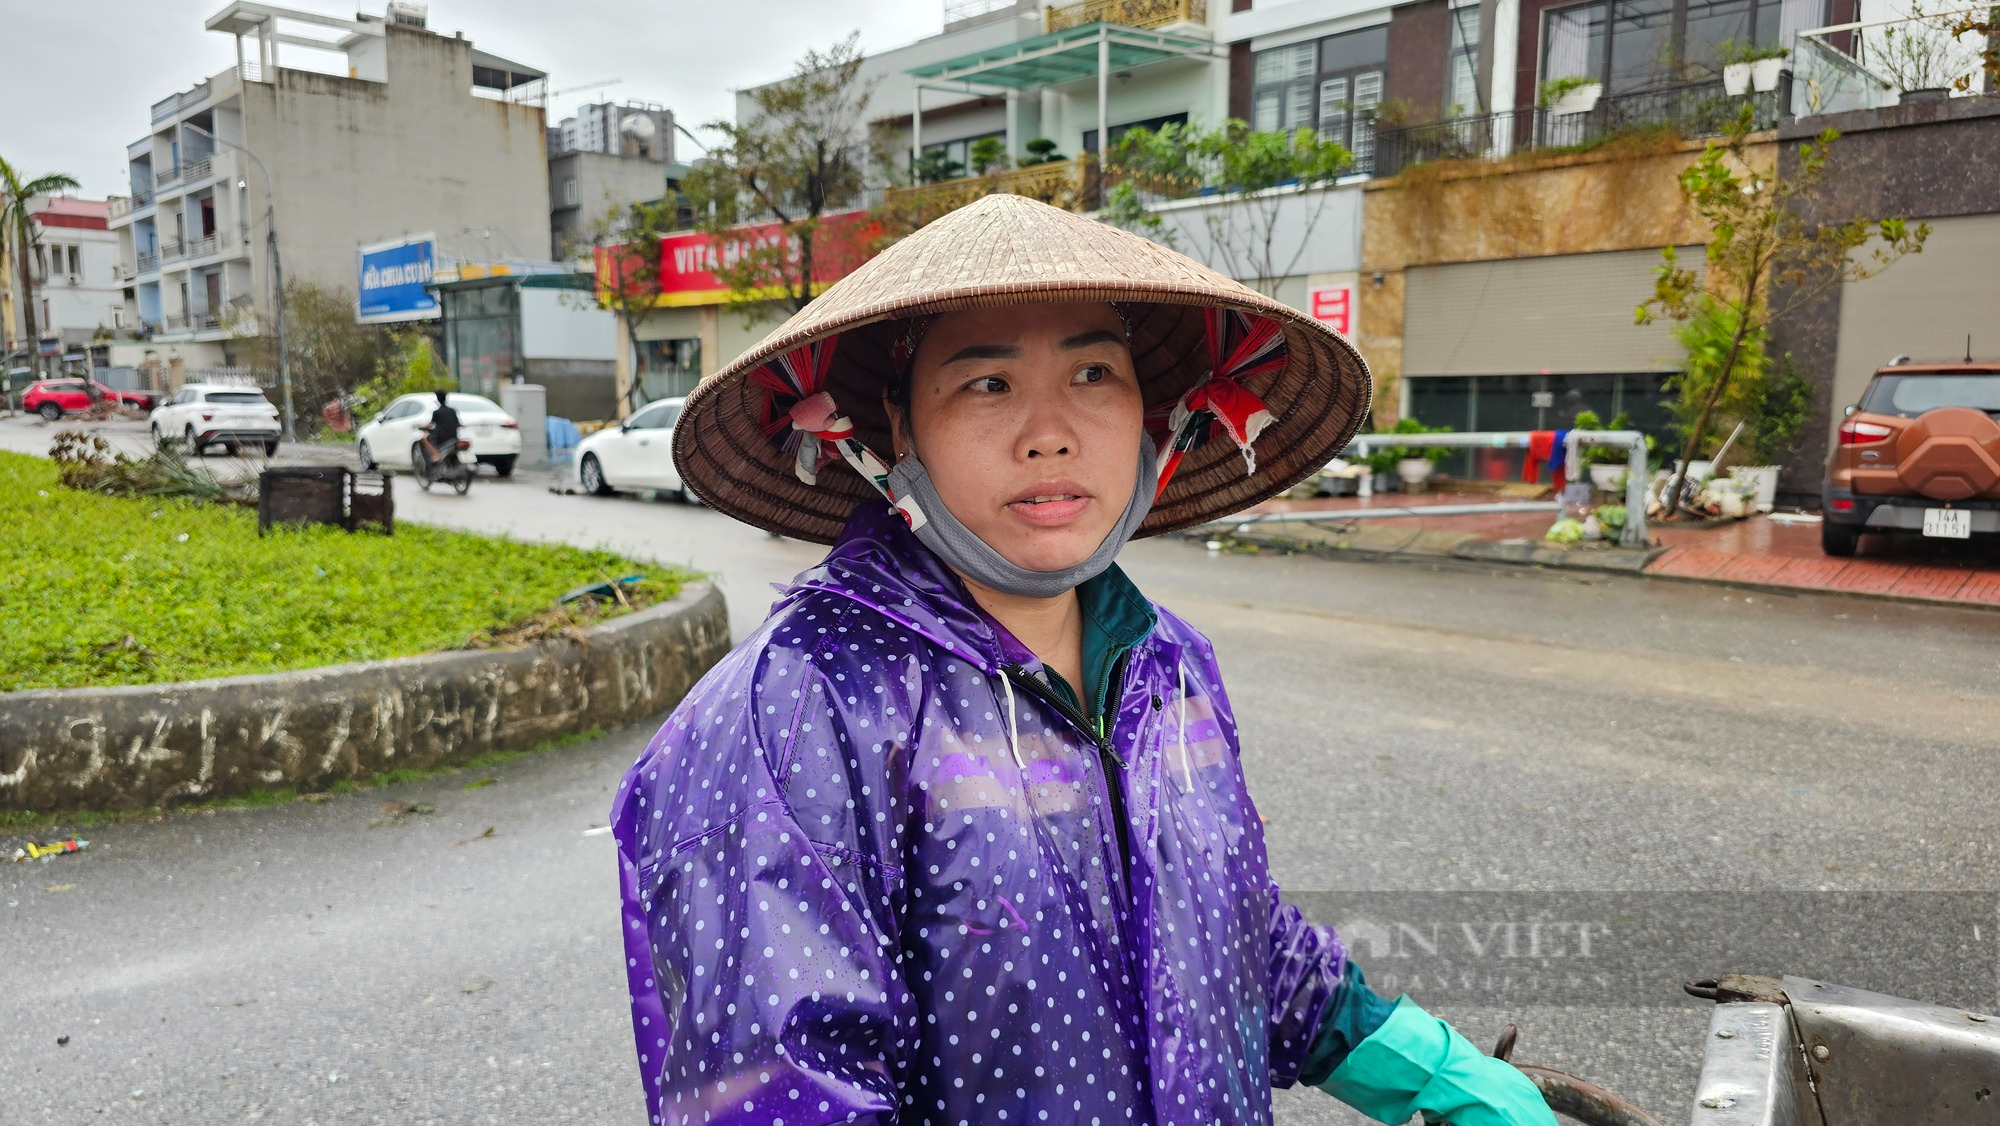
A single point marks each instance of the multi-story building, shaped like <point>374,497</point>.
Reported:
<point>78,292</point>
<point>605,158</point>
<point>420,132</point>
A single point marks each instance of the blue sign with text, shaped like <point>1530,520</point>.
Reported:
<point>393,280</point>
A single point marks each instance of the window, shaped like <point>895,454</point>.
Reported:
<point>240,398</point>
<point>669,368</point>
<point>1329,85</point>
<point>569,192</point>
<point>657,416</point>
<point>955,157</point>
<point>1153,123</point>
<point>1631,45</point>
<point>1462,96</point>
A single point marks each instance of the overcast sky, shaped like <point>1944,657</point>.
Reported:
<point>82,88</point>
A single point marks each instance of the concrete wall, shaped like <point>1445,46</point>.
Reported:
<point>565,324</point>
<point>356,161</point>
<point>155,745</point>
<point>602,183</point>
<point>1312,232</point>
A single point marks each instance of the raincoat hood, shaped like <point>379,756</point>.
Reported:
<point>871,873</point>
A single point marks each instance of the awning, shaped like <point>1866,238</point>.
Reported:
<point>1069,55</point>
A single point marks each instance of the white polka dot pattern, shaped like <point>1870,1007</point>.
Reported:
<point>854,893</point>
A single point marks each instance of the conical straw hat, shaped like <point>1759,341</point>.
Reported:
<point>1010,250</point>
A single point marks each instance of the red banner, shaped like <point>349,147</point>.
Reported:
<point>688,260</point>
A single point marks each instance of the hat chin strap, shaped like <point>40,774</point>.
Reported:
<point>976,559</point>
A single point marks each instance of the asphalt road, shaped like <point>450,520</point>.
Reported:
<point>1700,778</point>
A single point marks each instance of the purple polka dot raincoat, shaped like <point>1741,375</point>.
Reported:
<point>867,878</point>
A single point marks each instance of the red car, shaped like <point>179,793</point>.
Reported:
<point>53,398</point>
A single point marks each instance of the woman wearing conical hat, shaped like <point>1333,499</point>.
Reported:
<point>961,833</point>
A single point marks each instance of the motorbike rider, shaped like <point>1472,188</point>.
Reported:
<point>962,833</point>
<point>441,433</point>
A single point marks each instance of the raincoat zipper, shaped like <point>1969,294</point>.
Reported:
<point>1108,761</point>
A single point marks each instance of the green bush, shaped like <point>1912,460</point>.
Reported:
<point>104,590</point>
<point>1384,460</point>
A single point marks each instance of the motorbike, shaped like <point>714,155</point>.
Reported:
<point>449,468</point>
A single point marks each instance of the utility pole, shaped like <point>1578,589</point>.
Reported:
<point>277,282</point>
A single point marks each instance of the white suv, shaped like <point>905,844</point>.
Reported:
<point>200,415</point>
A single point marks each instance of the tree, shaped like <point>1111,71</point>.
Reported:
<point>1255,173</point>
<point>18,191</point>
<point>1769,255</point>
<point>628,274</point>
<point>799,157</point>
<point>330,354</point>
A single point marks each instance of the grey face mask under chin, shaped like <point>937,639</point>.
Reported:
<point>974,558</point>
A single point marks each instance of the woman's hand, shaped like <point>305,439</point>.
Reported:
<point>1416,1063</point>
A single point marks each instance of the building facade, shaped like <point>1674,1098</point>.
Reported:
<point>78,295</point>
<point>423,132</point>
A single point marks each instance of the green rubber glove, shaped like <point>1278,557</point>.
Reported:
<point>1416,1063</point>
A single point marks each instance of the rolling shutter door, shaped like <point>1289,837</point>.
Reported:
<point>1568,314</point>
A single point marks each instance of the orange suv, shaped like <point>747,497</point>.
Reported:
<point>1919,453</point>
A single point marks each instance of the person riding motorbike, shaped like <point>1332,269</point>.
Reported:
<point>441,434</point>
<point>962,833</point>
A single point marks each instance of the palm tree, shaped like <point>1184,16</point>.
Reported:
<point>15,193</point>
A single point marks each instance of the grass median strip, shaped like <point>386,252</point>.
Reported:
<point>106,590</point>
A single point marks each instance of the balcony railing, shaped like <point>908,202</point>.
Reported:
<point>1130,13</point>
<point>195,172</point>
<point>146,262</point>
<point>203,246</point>
<point>170,251</point>
<point>1068,184</point>
<point>165,107</point>
<point>162,179</point>
<point>1701,109</point>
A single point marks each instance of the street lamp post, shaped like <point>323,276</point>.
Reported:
<point>277,280</point>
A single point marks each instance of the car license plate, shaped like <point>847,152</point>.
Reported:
<point>1948,523</point>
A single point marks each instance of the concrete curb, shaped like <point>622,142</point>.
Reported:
<point>149,745</point>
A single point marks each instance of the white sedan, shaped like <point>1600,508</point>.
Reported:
<point>638,453</point>
<point>390,439</point>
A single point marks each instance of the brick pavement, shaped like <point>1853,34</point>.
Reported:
<point>1761,551</point>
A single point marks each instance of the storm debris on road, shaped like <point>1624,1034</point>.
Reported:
<point>45,852</point>
<point>396,812</point>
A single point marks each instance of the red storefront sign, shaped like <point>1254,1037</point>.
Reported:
<point>689,260</point>
<point>1335,306</point>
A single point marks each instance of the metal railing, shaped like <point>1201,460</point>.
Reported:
<point>198,170</point>
<point>165,107</point>
<point>1129,13</point>
<point>1699,109</point>
<point>202,246</point>
<point>1871,64</point>
<point>162,179</point>
<point>146,262</point>
<point>1061,183</point>
<point>169,251</point>
<point>141,197</point>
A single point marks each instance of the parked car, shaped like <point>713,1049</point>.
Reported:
<point>1920,452</point>
<point>200,415</point>
<point>389,440</point>
<point>638,453</point>
<point>53,398</point>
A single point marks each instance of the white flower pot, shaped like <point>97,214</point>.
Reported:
<point>1415,470</point>
<point>1736,78</point>
<point>1583,99</point>
<point>1608,477</point>
<point>1764,74</point>
<point>1762,480</point>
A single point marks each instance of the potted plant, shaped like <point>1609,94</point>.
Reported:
<point>1607,464</point>
<point>1747,68</point>
<point>1574,94</point>
<point>1412,466</point>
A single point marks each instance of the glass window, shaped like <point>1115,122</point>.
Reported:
<point>1284,95</point>
<point>650,417</point>
<point>1462,96</point>
<point>1284,64</point>
<point>239,397</point>
<point>1573,43</point>
<point>1642,44</point>
<point>474,404</point>
<point>669,368</point>
<point>1356,50</point>
<point>1712,23</point>
<point>1266,117</point>
<point>1367,95</point>
<point>1914,394</point>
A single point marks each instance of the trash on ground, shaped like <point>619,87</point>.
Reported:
<point>60,887</point>
<point>604,591</point>
<point>397,812</point>
<point>37,851</point>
